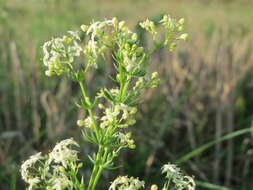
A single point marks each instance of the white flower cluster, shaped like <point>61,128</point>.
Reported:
<point>146,82</point>
<point>86,123</point>
<point>170,169</point>
<point>172,30</point>
<point>118,115</point>
<point>63,152</point>
<point>125,140</point>
<point>150,27</point>
<point>114,92</point>
<point>173,26</point>
<point>60,182</point>
<point>112,33</point>
<point>126,183</point>
<point>132,57</point>
<point>59,53</point>
<point>98,42</point>
<point>27,173</point>
<point>175,176</point>
<point>58,171</point>
<point>51,172</point>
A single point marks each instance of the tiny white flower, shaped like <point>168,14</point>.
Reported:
<point>88,122</point>
<point>62,152</point>
<point>150,27</point>
<point>126,183</point>
<point>60,183</point>
<point>27,165</point>
<point>170,168</point>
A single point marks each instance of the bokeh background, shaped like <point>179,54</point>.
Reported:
<point>206,90</point>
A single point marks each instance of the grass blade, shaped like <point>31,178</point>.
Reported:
<point>210,144</point>
<point>211,186</point>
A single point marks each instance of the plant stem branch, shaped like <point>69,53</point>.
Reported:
<point>90,111</point>
<point>101,167</point>
<point>95,169</point>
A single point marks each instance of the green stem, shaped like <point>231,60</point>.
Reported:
<point>101,167</point>
<point>121,82</point>
<point>123,90</point>
<point>125,87</point>
<point>97,177</point>
<point>95,169</point>
<point>155,48</point>
<point>90,111</point>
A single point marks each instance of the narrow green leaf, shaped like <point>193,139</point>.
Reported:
<point>108,95</point>
<point>211,186</point>
<point>139,73</point>
<point>210,144</point>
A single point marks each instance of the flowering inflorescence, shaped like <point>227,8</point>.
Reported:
<point>59,53</point>
<point>54,171</point>
<point>172,31</point>
<point>63,154</point>
<point>29,176</point>
<point>111,111</point>
<point>175,181</point>
<point>125,183</point>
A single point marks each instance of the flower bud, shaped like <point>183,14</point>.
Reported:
<point>84,28</point>
<point>154,75</point>
<point>181,21</point>
<point>80,165</point>
<point>124,29</point>
<point>172,46</point>
<point>134,46</point>
<point>165,18</point>
<point>134,37</point>
<point>118,77</point>
<point>129,67</point>
<point>140,82</point>
<point>133,111</point>
<point>101,106</point>
<point>128,135</point>
<point>49,73</point>
<point>61,169</point>
<point>125,115</point>
<point>66,39</point>
<point>80,123</point>
<point>115,22</point>
<point>127,46</point>
<point>154,187</point>
<point>180,28</point>
<point>139,50</point>
<point>121,24</point>
<point>184,36</point>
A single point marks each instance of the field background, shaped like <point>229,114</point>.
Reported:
<point>206,90</point>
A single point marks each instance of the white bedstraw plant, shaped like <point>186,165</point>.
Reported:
<point>74,56</point>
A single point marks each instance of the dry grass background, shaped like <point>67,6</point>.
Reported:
<point>205,93</point>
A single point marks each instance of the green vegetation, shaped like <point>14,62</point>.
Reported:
<point>205,91</point>
<point>111,111</point>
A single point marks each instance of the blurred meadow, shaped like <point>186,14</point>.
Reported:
<point>206,90</point>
